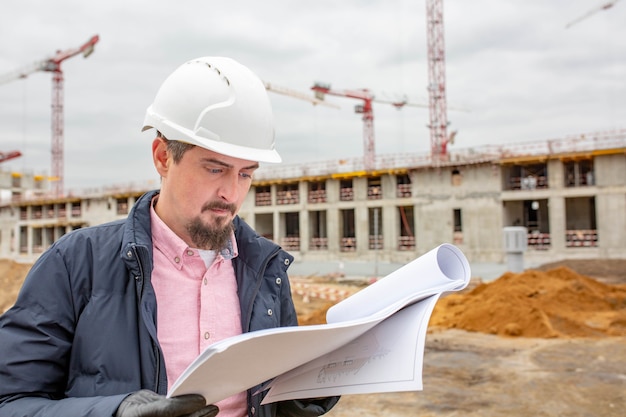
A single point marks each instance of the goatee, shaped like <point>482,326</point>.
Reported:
<point>209,237</point>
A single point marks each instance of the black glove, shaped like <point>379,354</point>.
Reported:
<point>146,403</point>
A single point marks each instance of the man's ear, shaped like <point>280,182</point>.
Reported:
<point>160,156</point>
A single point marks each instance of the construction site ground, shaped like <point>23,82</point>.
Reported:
<point>550,341</point>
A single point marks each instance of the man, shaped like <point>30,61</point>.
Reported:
<point>110,315</point>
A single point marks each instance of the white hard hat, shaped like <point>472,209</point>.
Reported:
<point>218,104</point>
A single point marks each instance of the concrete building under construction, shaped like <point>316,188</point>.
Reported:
<point>569,194</point>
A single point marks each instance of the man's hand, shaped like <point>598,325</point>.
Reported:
<point>146,403</point>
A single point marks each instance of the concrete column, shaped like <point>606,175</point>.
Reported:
<point>15,241</point>
<point>303,192</point>
<point>388,183</point>
<point>29,239</point>
<point>4,240</point>
<point>361,229</point>
<point>273,192</point>
<point>555,174</point>
<point>556,214</point>
<point>332,191</point>
<point>305,229</point>
<point>390,221</point>
<point>360,189</point>
<point>610,220</point>
<point>276,227</point>
<point>332,219</point>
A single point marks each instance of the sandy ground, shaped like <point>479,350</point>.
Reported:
<point>476,374</point>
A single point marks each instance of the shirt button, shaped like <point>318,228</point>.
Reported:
<point>207,335</point>
<point>278,280</point>
<point>189,253</point>
<point>286,261</point>
<point>205,281</point>
<point>269,312</point>
<point>177,259</point>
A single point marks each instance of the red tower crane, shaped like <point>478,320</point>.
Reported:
<point>53,65</point>
<point>5,156</point>
<point>596,9</point>
<point>366,110</point>
<point>438,126</point>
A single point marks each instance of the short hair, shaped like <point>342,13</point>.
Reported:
<point>176,147</point>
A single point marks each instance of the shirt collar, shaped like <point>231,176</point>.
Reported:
<point>174,248</point>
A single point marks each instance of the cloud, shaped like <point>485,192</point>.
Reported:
<point>513,64</point>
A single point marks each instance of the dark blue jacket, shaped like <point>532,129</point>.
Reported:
<point>82,333</point>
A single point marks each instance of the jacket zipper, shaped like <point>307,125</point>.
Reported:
<point>155,347</point>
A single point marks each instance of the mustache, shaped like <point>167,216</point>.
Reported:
<point>219,206</point>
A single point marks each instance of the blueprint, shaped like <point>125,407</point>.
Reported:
<point>373,341</point>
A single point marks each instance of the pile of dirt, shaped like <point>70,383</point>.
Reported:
<point>316,315</point>
<point>546,304</point>
<point>609,271</point>
<point>12,276</point>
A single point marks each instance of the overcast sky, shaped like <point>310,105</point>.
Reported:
<point>512,63</point>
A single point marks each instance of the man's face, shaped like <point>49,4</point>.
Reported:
<point>201,194</point>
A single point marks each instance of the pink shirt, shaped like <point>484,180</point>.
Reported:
<point>196,305</point>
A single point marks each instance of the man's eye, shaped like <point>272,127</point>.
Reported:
<point>246,175</point>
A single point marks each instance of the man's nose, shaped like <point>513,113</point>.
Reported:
<point>229,189</point>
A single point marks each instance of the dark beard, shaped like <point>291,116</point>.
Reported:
<point>209,237</point>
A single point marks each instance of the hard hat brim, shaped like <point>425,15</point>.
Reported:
<point>235,151</point>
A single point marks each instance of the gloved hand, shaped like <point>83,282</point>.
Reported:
<point>146,403</point>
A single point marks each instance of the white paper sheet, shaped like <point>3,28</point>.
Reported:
<point>387,358</point>
<point>373,342</point>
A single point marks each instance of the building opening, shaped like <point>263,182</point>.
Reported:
<point>348,236</point>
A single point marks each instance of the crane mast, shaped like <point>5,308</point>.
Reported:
<point>437,81</point>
